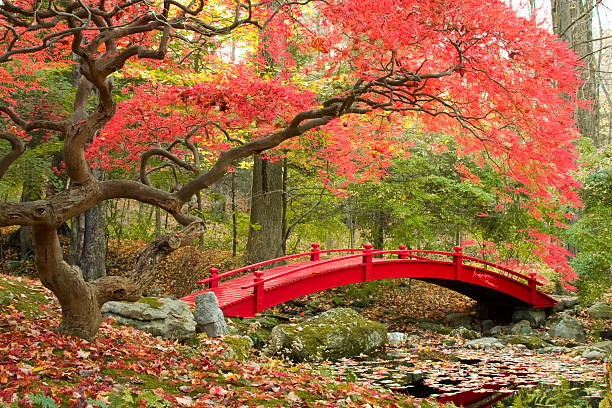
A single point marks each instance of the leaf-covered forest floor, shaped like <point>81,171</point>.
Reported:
<point>124,367</point>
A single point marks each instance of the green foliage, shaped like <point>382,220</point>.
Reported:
<point>562,396</point>
<point>146,398</point>
<point>40,400</point>
<point>591,233</point>
<point>350,376</point>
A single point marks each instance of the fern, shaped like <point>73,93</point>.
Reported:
<point>40,400</point>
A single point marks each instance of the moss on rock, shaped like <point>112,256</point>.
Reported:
<point>334,334</point>
<point>238,347</point>
<point>532,342</point>
<point>155,303</point>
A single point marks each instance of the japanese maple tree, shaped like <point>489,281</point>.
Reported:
<point>502,85</point>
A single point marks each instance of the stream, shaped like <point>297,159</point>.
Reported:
<point>475,378</point>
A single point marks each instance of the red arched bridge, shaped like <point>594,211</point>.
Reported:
<point>483,281</point>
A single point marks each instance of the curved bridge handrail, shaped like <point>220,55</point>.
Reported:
<point>301,268</point>
<point>271,261</point>
<point>471,258</point>
<point>395,251</point>
<point>503,268</point>
<point>342,258</point>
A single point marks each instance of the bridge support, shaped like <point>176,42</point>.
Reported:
<point>258,291</point>
<point>314,252</point>
<point>214,281</point>
<point>458,261</point>
<point>401,248</point>
<point>367,261</point>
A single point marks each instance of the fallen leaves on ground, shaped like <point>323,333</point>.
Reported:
<point>127,367</point>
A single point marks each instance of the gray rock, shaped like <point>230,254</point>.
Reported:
<point>558,307</point>
<point>564,302</point>
<point>606,333</point>
<point>238,347</point>
<point>590,354</point>
<point>566,327</point>
<point>552,350</point>
<point>542,335</point>
<point>171,319</point>
<point>208,315</point>
<point>333,334</point>
<point>496,331</point>
<point>605,346</point>
<point>486,325</point>
<point>485,343</point>
<point>465,333</point>
<point>522,327</point>
<point>535,317</point>
<point>569,301</point>
<point>137,311</point>
<point>396,339</point>
<point>600,310</point>
<point>531,342</point>
<point>459,320</point>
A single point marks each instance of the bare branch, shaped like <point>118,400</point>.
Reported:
<point>158,151</point>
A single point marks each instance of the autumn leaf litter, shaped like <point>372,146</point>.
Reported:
<point>126,363</point>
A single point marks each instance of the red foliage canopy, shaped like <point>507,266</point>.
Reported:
<point>340,77</point>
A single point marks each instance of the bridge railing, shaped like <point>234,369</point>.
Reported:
<point>366,253</point>
<point>314,255</point>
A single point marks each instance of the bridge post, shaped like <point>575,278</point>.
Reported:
<point>367,260</point>
<point>401,248</point>
<point>213,275</point>
<point>258,290</point>
<point>458,261</point>
<point>314,256</point>
<point>532,287</point>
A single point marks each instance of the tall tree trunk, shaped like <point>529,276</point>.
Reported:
<point>93,259</point>
<point>284,208</point>
<point>573,23</point>
<point>234,219</point>
<point>265,234</point>
<point>31,191</point>
<point>378,229</point>
<point>88,243</point>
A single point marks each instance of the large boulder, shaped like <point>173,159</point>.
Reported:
<point>600,310</point>
<point>566,327</point>
<point>164,317</point>
<point>333,334</point>
<point>208,315</point>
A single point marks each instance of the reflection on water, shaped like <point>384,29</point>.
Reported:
<point>457,380</point>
